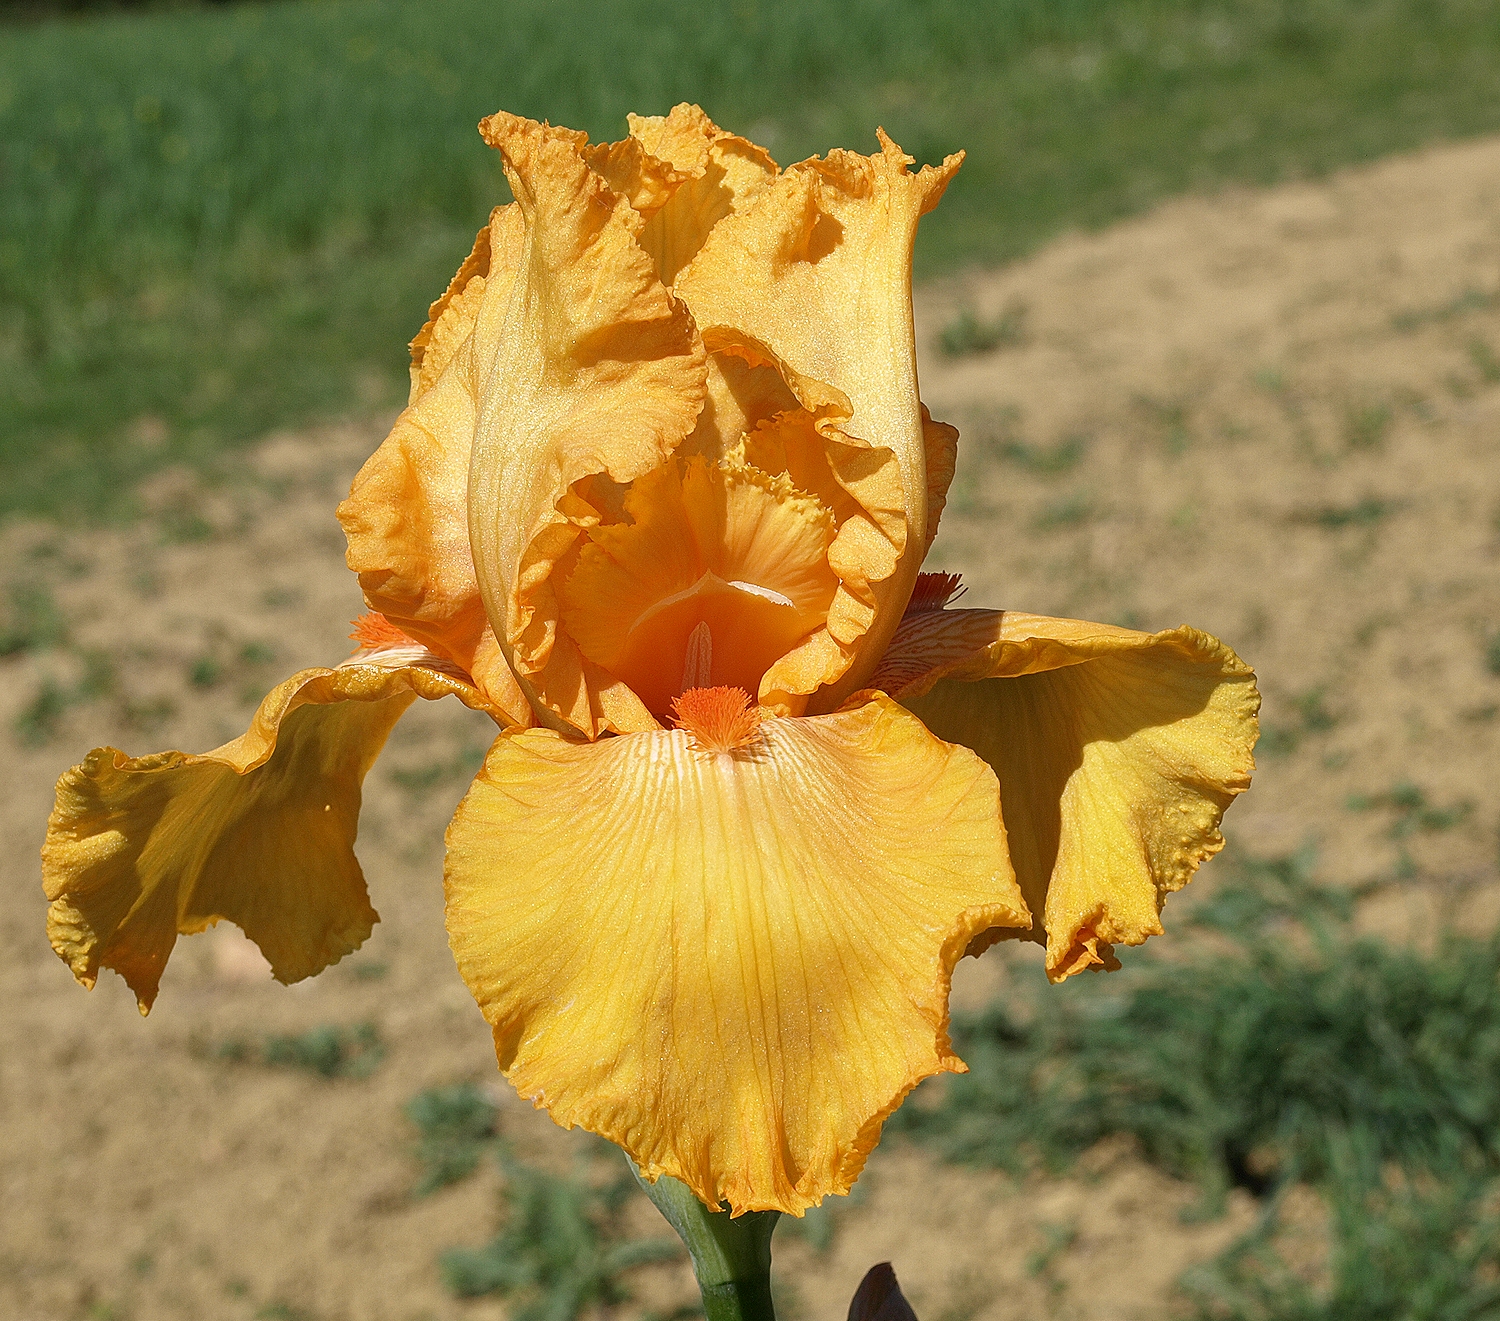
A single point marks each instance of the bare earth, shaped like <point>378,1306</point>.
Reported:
<point>1272,415</point>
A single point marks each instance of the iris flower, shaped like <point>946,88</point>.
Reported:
<point>658,506</point>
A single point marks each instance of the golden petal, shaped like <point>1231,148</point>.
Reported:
<point>1117,754</point>
<point>940,442</point>
<point>717,547</point>
<point>259,831</point>
<point>407,515</point>
<point>818,271</point>
<point>734,965</point>
<point>595,368</point>
<point>722,174</point>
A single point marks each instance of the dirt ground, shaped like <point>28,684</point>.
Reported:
<point>1272,415</point>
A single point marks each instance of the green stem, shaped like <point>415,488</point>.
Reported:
<point>731,1256</point>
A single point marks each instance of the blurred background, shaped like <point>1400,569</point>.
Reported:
<point>1215,302</point>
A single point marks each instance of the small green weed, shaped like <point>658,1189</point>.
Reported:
<point>1364,513</point>
<point>562,1251</point>
<point>968,333</point>
<point>37,722</point>
<point>1484,360</point>
<point>205,672</point>
<point>1365,425</point>
<point>1068,512</point>
<point>1311,716</point>
<point>1411,812</point>
<point>1169,418</point>
<point>282,1311</point>
<point>328,1051</point>
<point>457,1125</point>
<point>460,767</point>
<point>1470,300</point>
<point>30,620</point>
<point>1044,460</point>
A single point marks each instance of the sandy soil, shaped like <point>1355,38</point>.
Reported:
<point>1272,415</point>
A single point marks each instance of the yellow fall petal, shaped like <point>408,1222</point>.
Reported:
<point>1117,754</point>
<point>817,270</point>
<point>594,368</point>
<point>259,831</point>
<point>734,965</point>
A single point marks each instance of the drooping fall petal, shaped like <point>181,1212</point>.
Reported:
<point>1117,754</point>
<point>734,965</point>
<point>259,831</point>
<point>816,272</point>
<point>595,368</point>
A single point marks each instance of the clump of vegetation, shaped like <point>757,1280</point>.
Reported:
<point>457,1124</point>
<point>329,1051</point>
<point>1365,425</point>
<point>1470,300</point>
<point>1279,1047</point>
<point>29,620</point>
<point>1283,1042</point>
<point>563,1249</point>
<point>1310,716</point>
<point>1401,1251</point>
<point>1067,512</point>
<point>968,334</point>
<point>461,767</point>
<point>1169,419</point>
<point>1411,812</point>
<point>1363,513</point>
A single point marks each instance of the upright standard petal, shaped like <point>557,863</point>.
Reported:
<point>722,174</point>
<point>407,515</point>
<point>732,964</point>
<point>1117,754</point>
<point>260,831</point>
<point>594,368</point>
<point>817,273</point>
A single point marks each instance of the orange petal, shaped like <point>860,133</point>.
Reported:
<point>1117,754</point>
<point>722,175</point>
<point>259,831</point>
<point>818,272</point>
<point>940,442</point>
<point>717,552</point>
<point>594,368</point>
<point>734,965</point>
<point>407,516</point>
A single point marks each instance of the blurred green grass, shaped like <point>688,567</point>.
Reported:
<point>214,223</point>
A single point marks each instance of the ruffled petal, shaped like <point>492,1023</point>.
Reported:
<point>594,368</point>
<point>1117,754</point>
<point>260,831</point>
<point>817,272</point>
<point>407,515</point>
<point>734,965</point>
<point>940,443</point>
<point>718,556</point>
<point>721,174</point>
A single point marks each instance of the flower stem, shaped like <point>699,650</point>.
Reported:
<point>731,1257</point>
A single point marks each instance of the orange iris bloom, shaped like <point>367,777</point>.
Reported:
<point>658,506</point>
